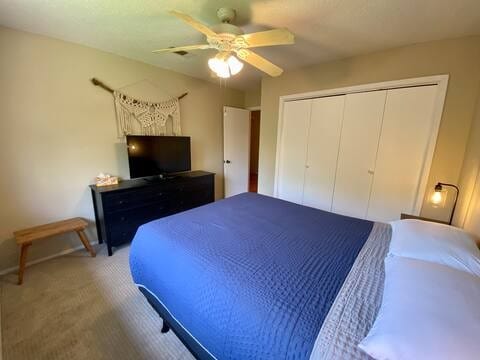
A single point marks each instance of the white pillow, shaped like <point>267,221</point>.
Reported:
<point>438,243</point>
<point>428,311</point>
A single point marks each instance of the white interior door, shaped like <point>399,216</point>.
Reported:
<point>323,142</point>
<point>293,150</point>
<point>362,122</point>
<point>404,141</point>
<point>236,150</point>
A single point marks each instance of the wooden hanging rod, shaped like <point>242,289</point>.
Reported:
<point>97,82</point>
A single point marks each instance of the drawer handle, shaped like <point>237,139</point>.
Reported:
<point>121,202</point>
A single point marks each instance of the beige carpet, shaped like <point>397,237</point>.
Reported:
<point>78,307</point>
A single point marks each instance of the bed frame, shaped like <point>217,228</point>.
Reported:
<point>169,322</point>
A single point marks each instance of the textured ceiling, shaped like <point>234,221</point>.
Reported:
<point>325,29</point>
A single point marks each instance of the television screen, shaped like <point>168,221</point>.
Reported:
<point>156,155</point>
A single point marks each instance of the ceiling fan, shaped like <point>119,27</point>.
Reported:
<point>229,39</point>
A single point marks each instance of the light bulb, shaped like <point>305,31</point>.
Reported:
<point>223,67</point>
<point>235,65</point>
<point>436,198</point>
<point>223,72</point>
<point>219,67</point>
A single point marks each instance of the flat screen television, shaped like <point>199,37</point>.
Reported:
<point>157,155</point>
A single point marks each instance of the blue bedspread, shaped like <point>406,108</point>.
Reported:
<point>250,277</point>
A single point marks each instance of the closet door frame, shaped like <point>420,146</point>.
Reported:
<point>440,80</point>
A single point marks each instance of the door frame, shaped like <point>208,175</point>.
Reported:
<point>440,80</point>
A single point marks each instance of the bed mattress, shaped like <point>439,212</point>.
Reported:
<point>250,277</point>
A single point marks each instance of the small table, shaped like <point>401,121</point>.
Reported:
<point>408,216</point>
<point>25,237</point>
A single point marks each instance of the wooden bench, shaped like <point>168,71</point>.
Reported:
<point>25,237</point>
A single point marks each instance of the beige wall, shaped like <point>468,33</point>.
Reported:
<point>460,58</point>
<point>58,131</point>
<point>253,96</point>
<point>468,213</point>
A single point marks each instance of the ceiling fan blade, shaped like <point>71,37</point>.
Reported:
<point>197,25</point>
<point>259,62</point>
<point>183,48</point>
<point>268,38</point>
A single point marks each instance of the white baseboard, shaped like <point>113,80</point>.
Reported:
<point>33,262</point>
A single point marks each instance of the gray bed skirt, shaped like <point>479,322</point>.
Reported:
<point>358,301</point>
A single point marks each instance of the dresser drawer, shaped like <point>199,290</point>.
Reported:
<point>193,196</point>
<point>120,237</point>
<point>126,200</point>
<point>198,184</point>
<point>154,211</point>
<point>124,231</point>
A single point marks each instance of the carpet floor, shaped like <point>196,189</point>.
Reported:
<point>78,307</point>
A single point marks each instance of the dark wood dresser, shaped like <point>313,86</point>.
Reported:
<point>121,209</point>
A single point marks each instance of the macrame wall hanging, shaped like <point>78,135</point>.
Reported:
<point>137,117</point>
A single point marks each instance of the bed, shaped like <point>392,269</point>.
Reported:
<point>254,277</point>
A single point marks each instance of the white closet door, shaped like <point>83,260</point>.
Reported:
<point>406,132</point>
<point>362,122</point>
<point>323,141</point>
<point>293,153</point>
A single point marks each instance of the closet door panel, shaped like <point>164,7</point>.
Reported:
<point>357,153</point>
<point>323,142</point>
<point>406,133</point>
<point>293,150</point>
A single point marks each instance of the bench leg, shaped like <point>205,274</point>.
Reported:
<point>86,243</point>
<point>23,261</point>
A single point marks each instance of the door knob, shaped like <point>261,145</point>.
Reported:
<point>371,172</point>
<point>227,161</point>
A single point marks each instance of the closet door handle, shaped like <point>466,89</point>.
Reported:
<point>371,172</point>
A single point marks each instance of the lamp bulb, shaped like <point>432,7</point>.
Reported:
<point>437,198</point>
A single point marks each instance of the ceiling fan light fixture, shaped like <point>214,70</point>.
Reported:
<point>219,67</point>
<point>229,39</point>
<point>225,68</point>
<point>235,65</point>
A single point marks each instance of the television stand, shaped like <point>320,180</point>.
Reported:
<point>121,209</point>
